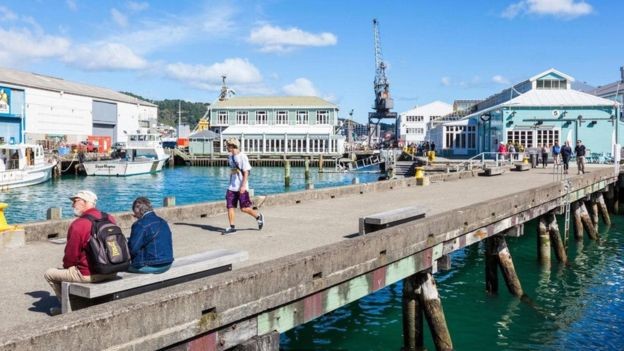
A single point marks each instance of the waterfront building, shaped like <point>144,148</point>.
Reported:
<point>35,107</point>
<point>359,131</point>
<point>540,110</point>
<point>612,91</point>
<point>414,124</point>
<point>278,125</point>
<point>202,143</point>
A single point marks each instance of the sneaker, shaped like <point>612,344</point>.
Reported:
<point>260,221</point>
<point>55,311</point>
<point>229,230</point>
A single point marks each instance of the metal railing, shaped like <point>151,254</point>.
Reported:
<point>495,158</point>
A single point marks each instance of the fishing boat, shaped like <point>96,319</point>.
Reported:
<point>143,154</point>
<point>23,165</point>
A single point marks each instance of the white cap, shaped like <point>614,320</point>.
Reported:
<point>87,195</point>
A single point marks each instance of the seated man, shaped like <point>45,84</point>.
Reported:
<point>76,261</point>
<point>150,242</point>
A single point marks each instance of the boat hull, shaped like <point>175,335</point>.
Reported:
<point>121,168</point>
<point>21,178</point>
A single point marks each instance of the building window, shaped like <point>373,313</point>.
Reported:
<point>302,117</point>
<point>261,117</point>
<point>551,84</point>
<point>415,130</point>
<point>322,117</point>
<point>414,118</point>
<point>547,137</point>
<point>223,118</point>
<point>242,117</point>
<point>282,117</point>
<point>521,137</point>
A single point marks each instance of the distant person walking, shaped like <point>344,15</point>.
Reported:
<point>237,193</point>
<point>556,151</point>
<point>544,151</point>
<point>580,150</point>
<point>566,153</point>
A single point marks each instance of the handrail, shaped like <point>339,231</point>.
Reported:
<point>499,158</point>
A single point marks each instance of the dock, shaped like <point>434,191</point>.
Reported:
<point>309,259</point>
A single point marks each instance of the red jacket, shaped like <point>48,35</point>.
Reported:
<point>78,236</point>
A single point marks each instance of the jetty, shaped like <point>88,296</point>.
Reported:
<point>311,258</point>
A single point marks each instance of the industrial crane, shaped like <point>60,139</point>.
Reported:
<point>383,101</point>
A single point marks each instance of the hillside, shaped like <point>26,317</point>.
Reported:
<point>192,112</point>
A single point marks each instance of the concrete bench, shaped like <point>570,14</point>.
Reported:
<point>80,295</point>
<point>522,167</point>
<point>494,170</point>
<point>387,219</point>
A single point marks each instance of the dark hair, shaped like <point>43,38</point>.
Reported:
<point>141,206</point>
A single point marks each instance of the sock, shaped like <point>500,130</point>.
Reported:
<point>232,226</point>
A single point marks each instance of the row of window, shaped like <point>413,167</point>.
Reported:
<point>414,118</point>
<point>533,138</point>
<point>552,84</point>
<point>281,117</point>
<point>460,137</point>
<point>287,146</point>
<point>415,130</point>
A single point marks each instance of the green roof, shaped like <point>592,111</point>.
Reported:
<point>273,101</point>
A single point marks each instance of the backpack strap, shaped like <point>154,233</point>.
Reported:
<point>94,221</point>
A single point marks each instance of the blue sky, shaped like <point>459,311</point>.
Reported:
<point>435,50</point>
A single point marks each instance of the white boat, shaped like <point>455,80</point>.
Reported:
<point>144,154</point>
<point>23,165</point>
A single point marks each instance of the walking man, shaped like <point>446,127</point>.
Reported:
<point>76,262</point>
<point>566,153</point>
<point>579,150</point>
<point>237,193</point>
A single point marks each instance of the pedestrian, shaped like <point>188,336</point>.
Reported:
<point>237,193</point>
<point>556,151</point>
<point>502,150</point>
<point>580,150</point>
<point>433,146</point>
<point>76,261</point>
<point>566,153</point>
<point>150,243</point>
<point>544,151</point>
<point>511,149</point>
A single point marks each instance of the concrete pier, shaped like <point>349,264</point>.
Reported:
<point>304,263</point>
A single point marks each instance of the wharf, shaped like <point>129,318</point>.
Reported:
<point>304,233</point>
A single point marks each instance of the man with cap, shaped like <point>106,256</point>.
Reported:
<point>237,193</point>
<point>580,150</point>
<point>76,261</point>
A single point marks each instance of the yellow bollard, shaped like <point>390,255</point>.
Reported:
<point>3,223</point>
<point>525,160</point>
<point>431,156</point>
<point>420,172</point>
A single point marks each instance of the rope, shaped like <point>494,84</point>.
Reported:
<point>70,163</point>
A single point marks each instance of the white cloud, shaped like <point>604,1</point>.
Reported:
<point>7,15</point>
<point>119,18</point>
<point>238,71</point>
<point>300,87</point>
<point>276,39</point>
<point>446,81</point>
<point>104,56</point>
<point>26,44</point>
<point>137,6</point>
<point>559,8</point>
<point>500,79</point>
<point>71,4</point>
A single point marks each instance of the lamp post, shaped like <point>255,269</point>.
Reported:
<point>485,119</point>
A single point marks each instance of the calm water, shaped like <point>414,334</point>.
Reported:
<point>579,307</point>
<point>188,184</point>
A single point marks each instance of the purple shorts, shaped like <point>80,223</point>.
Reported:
<point>233,198</point>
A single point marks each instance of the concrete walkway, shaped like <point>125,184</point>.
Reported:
<point>26,297</point>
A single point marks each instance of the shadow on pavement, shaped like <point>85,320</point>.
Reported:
<point>45,302</point>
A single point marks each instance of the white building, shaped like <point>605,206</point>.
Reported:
<point>40,107</point>
<point>415,123</point>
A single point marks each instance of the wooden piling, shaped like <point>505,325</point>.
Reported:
<point>491,266</point>
<point>589,225</point>
<point>434,313</point>
<point>578,221</point>
<point>555,238</point>
<point>507,267</point>
<point>413,330</point>
<point>321,163</point>
<point>306,173</point>
<point>604,211</point>
<point>543,242</point>
<point>592,209</point>
<point>287,173</point>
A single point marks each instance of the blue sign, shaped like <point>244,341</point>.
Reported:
<point>5,100</point>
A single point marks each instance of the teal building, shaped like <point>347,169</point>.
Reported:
<point>543,109</point>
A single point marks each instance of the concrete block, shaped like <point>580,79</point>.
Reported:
<point>424,181</point>
<point>522,167</point>
<point>496,170</point>
<point>11,239</point>
<point>54,213</point>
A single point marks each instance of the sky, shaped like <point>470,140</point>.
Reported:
<point>435,50</point>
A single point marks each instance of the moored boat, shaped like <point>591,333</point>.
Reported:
<point>23,165</point>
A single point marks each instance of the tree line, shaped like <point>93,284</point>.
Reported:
<point>192,112</point>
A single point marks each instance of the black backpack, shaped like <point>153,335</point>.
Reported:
<point>108,248</point>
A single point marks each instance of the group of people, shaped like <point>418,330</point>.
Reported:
<point>560,155</point>
<point>150,243</point>
<point>420,149</point>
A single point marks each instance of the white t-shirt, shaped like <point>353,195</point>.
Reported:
<point>237,164</point>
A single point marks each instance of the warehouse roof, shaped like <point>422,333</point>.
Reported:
<point>39,81</point>
<point>273,102</point>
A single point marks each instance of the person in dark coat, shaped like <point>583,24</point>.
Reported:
<point>566,153</point>
<point>150,243</point>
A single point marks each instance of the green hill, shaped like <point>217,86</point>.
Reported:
<point>192,112</point>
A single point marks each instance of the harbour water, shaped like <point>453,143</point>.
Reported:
<point>188,184</point>
<point>578,307</point>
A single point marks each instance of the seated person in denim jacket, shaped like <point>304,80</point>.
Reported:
<point>150,242</point>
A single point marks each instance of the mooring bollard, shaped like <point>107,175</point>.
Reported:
<point>11,236</point>
<point>54,213</point>
<point>286,173</point>
<point>169,201</point>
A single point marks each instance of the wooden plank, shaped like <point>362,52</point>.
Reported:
<point>183,266</point>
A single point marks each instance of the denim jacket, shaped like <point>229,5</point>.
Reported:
<point>150,242</point>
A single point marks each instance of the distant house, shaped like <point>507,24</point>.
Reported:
<point>202,143</point>
<point>415,123</point>
<point>540,110</point>
<point>278,125</point>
